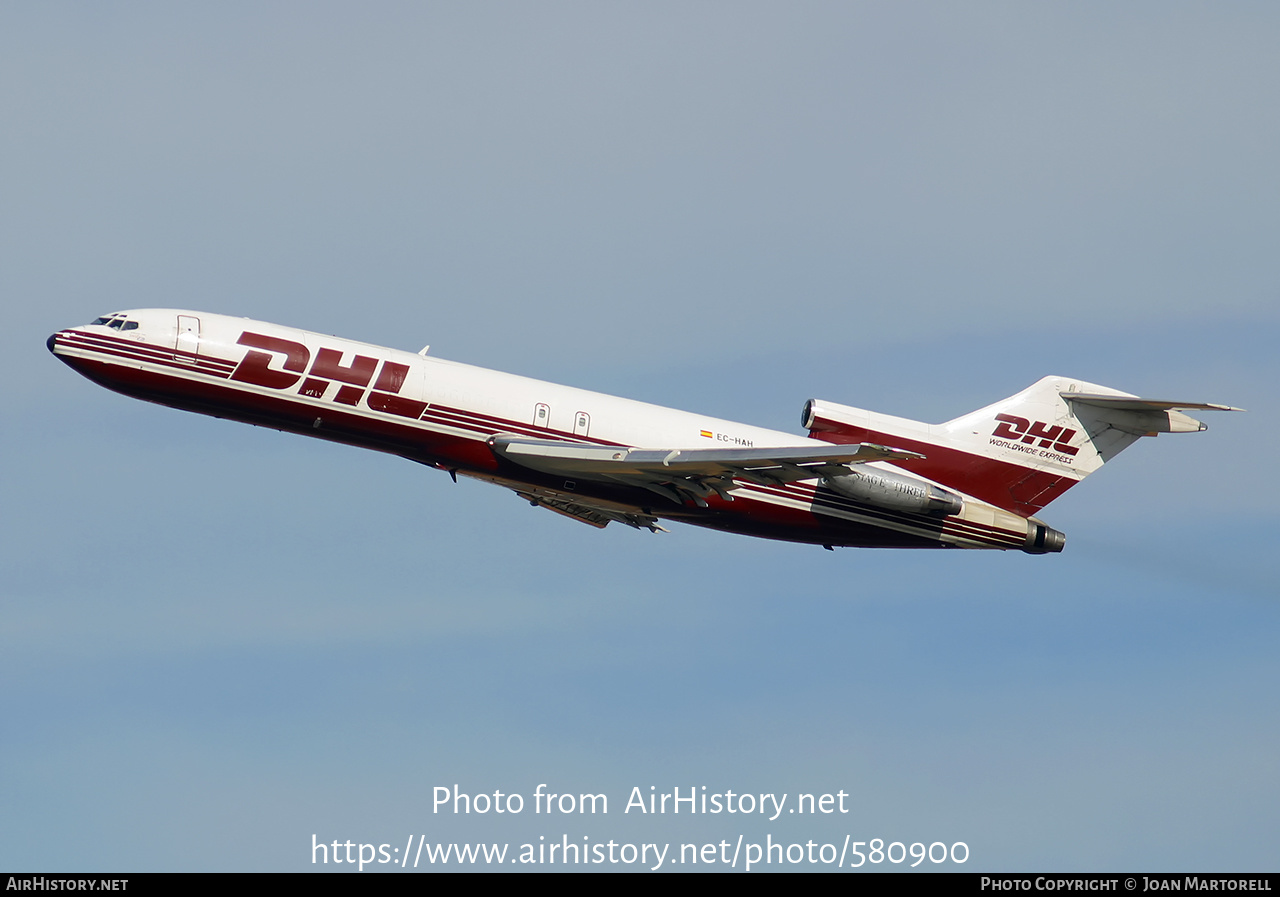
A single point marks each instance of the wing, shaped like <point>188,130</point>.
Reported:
<point>680,474</point>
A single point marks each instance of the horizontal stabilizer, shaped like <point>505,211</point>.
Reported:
<point>1140,416</point>
<point>1133,403</point>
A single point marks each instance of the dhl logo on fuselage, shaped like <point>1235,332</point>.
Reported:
<point>327,367</point>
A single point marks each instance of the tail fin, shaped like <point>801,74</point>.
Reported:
<point>1020,453</point>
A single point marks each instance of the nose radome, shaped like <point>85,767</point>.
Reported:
<point>52,341</point>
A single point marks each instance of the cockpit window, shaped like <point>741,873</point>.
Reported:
<point>116,322</point>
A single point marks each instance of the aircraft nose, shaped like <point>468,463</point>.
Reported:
<point>51,341</point>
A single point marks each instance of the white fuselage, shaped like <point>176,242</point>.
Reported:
<point>444,414</point>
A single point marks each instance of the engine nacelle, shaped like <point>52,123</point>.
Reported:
<point>1043,539</point>
<point>895,492</point>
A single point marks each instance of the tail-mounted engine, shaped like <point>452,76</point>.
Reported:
<point>895,492</point>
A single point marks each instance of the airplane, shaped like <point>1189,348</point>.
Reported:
<point>860,479</point>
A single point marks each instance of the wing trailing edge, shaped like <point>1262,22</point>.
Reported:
<point>690,474</point>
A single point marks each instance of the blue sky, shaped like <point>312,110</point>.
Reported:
<point>217,641</point>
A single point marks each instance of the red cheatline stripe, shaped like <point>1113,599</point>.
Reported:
<point>474,421</point>
<point>160,352</point>
<point>976,473</point>
<point>491,424</point>
<point>412,431</point>
<point>484,425</point>
<point>505,425</point>
<point>162,357</point>
<point>480,424</point>
<point>142,352</point>
<point>967,529</point>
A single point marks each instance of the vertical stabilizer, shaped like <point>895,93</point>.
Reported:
<point>1021,452</point>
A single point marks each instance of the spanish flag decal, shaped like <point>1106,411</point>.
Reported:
<point>706,433</point>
